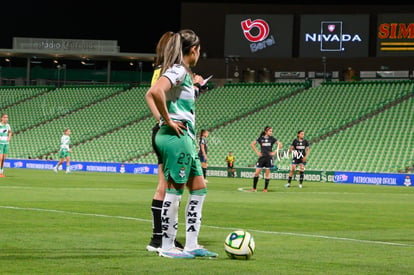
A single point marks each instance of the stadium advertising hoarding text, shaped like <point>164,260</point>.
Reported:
<point>258,35</point>
<point>108,167</point>
<point>374,178</point>
<point>140,168</point>
<point>395,35</point>
<point>152,169</point>
<point>334,35</point>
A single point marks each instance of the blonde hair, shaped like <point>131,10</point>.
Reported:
<point>178,46</point>
<point>159,50</point>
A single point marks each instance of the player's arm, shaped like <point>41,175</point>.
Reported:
<point>279,145</point>
<point>69,146</point>
<point>253,145</point>
<point>152,106</point>
<point>148,97</point>
<point>9,135</point>
<point>198,85</point>
<point>307,151</point>
<point>157,93</point>
<point>197,79</point>
<point>203,150</point>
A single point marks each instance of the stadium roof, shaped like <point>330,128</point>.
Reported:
<point>41,54</point>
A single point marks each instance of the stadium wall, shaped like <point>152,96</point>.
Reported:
<point>152,169</point>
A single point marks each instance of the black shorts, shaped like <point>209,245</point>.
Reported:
<point>297,161</point>
<point>201,157</point>
<point>265,162</point>
<point>154,132</point>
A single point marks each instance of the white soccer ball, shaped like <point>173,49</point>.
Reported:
<point>239,245</point>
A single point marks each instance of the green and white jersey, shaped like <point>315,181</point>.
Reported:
<point>4,133</point>
<point>64,143</point>
<point>181,97</point>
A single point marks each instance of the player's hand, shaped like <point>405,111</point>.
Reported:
<point>198,79</point>
<point>177,126</point>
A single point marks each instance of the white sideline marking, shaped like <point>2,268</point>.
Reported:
<point>217,227</point>
<point>72,213</point>
<point>63,188</point>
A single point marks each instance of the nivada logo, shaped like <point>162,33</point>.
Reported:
<point>257,32</point>
<point>331,36</point>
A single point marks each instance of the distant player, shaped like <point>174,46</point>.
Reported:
<point>407,181</point>
<point>266,153</point>
<point>230,159</point>
<point>5,136</point>
<point>300,151</point>
<point>202,153</point>
<point>64,151</point>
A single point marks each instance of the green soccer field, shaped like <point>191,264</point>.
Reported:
<point>100,223</point>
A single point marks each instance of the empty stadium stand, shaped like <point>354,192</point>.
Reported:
<point>352,126</point>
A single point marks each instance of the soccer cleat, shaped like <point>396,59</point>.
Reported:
<point>68,172</point>
<point>287,185</point>
<point>2,175</point>
<point>154,245</point>
<point>176,253</point>
<point>178,244</point>
<point>55,169</point>
<point>152,248</point>
<point>300,185</point>
<point>265,190</point>
<point>253,190</point>
<point>201,252</point>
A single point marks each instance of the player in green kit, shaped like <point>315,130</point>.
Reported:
<point>5,136</point>
<point>64,151</point>
<point>174,95</point>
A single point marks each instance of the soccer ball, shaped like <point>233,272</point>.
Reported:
<point>239,245</point>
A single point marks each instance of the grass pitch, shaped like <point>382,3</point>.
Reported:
<point>100,223</point>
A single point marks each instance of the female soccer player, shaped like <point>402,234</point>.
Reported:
<point>64,151</point>
<point>173,94</point>
<point>300,151</point>
<point>202,153</point>
<point>5,137</point>
<point>265,161</point>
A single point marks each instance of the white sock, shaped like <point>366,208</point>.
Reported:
<point>193,212</point>
<point>1,171</point>
<point>169,219</point>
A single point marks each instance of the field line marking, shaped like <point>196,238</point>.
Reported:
<point>73,213</point>
<point>64,188</point>
<point>216,227</point>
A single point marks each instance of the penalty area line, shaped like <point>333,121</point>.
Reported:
<point>209,226</point>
